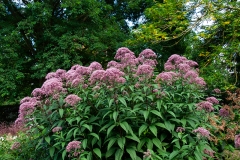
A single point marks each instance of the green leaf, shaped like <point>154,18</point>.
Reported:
<point>157,143</point>
<point>111,142</point>
<point>64,154</point>
<point>119,154</point>
<point>149,144</point>
<point>134,137</point>
<point>132,153</point>
<point>94,140</point>
<point>110,102</point>
<point>121,142</point>
<point>89,127</point>
<point>110,152</point>
<point>84,143</point>
<point>51,151</point>
<point>142,142</point>
<point>128,127</point>
<point>170,112</point>
<point>169,126</point>
<point>115,114</point>
<point>145,114</point>
<point>122,100</point>
<point>157,113</point>
<point>173,154</point>
<point>110,129</point>
<point>94,135</point>
<point>153,128</point>
<point>106,114</point>
<point>89,157</point>
<point>60,112</point>
<point>160,125</point>
<point>97,151</point>
<point>106,126</point>
<point>122,124</point>
<point>142,129</point>
<point>47,139</point>
<point>198,155</point>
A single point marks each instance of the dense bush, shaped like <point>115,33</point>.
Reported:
<point>127,111</point>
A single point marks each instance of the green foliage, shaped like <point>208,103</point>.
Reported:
<point>121,120</point>
<point>39,37</point>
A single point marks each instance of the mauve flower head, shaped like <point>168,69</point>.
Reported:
<point>72,99</point>
<point>112,75</point>
<point>77,81</point>
<point>190,74</point>
<point>73,146</point>
<point>151,62</point>
<point>192,63</point>
<point>120,80</point>
<point>166,76</point>
<point>96,76</point>
<point>199,81</point>
<point>216,90</point>
<point>114,64</point>
<point>60,73</point>
<point>28,99</point>
<point>51,75</point>
<point>19,122</point>
<point>176,59</point>
<point>148,54</point>
<point>209,152</point>
<point>15,146</point>
<point>120,55</point>
<point>145,70</point>
<point>95,66</point>
<point>147,154</point>
<point>173,58</point>
<point>180,129</point>
<point>38,93</point>
<point>74,67</point>
<point>202,132</point>
<point>224,112</point>
<point>212,100</point>
<point>83,70</point>
<point>56,129</point>
<point>27,108</point>
<point>184,67</point>
<point>205,105</point>
<point>168,66</point>
<point>237,141</point>
<point>52,85</point>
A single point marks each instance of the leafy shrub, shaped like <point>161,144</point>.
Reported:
<point>124,112</point>
<point>226,126</point>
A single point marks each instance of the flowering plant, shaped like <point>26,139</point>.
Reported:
<point>121,112</point>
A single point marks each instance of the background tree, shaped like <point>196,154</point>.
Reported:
<point>40,36</point>
<point>206,31</point>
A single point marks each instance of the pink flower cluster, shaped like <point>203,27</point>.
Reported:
<point>27,106</point>
<point>209,152</point>
<point>15,146</point>
<point>224,112</point>
<point>202,132</point>
<point>180,129</point>
<point>185,69</point>
<point>212,100</point>
<point>110,76</point>
<point>147,154</point>
<point>72,99</point>
<point>237,141</point>
<point>72,146</point>
<point>166,77</point>
<point>145,69</point>
<point>52,86</point>
<point>205,105</point>
<point>56,129</point>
